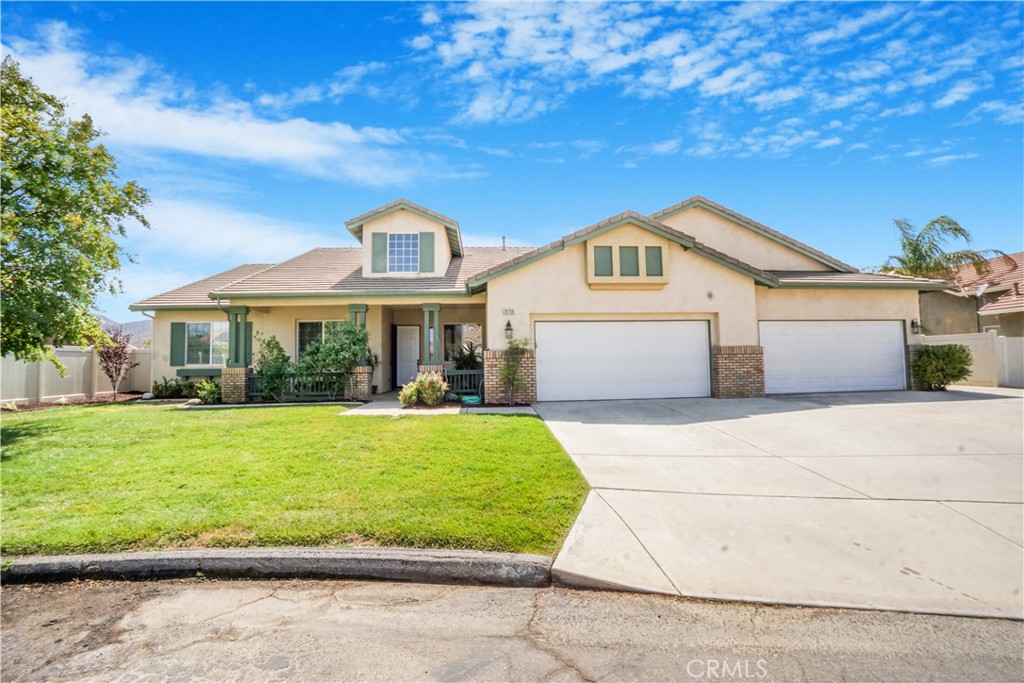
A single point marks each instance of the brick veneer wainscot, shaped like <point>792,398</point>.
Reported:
<point>232,385</point>
<point>737,371</point>
<point>494,389</point>
<point>912,351</point>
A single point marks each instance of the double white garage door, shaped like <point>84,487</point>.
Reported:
<point>671,358</point>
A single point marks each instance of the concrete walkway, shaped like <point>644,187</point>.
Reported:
<point>388,405</point>
<point>892,500</point>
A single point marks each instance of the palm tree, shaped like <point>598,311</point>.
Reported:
<point>924,251</point>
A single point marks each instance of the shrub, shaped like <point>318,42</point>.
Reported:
<point>936,367</point>
<point>429,388</point>
<point>116,358</point>
<point>273,366</point>
<point>468,357</point>
<point>208,391</point>
<point>510,373</point>
<point>174,388</point>
<point>432,388</point>
<point>410,393</point>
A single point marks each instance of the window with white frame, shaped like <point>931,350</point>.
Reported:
<point>310,331</point>
<point>403,253</point>
<point>206,343</point>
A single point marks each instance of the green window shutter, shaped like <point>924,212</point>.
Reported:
<point>629,261</point>
<point>380,252</point>
<point>177,344</point>
<point>247,351</point>
<point>426,252</point>
<point>603,261</point>
<point>653,256</point>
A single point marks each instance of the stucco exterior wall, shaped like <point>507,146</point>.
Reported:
<point>406,222</point>
<point>739,242</point>
<point>837,304</point>
<point>1010,324</point>
<point>162,337</point>
<point>943,313</point>
<point>555,288</point>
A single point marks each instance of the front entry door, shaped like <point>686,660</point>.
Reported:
<point>408,353</point>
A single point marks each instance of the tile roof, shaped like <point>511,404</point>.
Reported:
<point>355,225</point>
<point>698,200</point>
<point>1009,302</point>
<point>816,277</point>
<point>340,270</point>
<point>625,216</point>
<point>999,271</point>
<point>196,294</point>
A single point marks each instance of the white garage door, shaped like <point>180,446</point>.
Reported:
<point>604,360</point>
<point>832,355</point>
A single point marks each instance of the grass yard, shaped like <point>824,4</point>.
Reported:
<point>137,477</point>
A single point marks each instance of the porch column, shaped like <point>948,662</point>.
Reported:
<point>237,336</point>
<point>357,312</point>
<point>431,354</point>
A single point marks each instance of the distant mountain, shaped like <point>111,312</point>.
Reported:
<point>140,331</point>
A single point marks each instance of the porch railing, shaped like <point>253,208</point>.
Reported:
<point>464,382</point>
<point>327,385</point>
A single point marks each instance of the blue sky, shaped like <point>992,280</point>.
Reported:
<point>259,128</point>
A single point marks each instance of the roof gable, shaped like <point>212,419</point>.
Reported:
<point>451,226</point>
<point>1000,272</point>
<point>749,224</point>
<point>477,282</point>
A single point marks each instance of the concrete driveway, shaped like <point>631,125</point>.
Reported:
<point>888,500</point>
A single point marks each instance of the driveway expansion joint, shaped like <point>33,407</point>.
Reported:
<point>386,564</point>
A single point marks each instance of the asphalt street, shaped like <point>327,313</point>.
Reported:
<point>345,630</point>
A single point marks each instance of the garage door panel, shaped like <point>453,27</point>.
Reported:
<point>627,359</point>
<point>811,356</point>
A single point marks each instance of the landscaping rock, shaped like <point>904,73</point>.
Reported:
<point>147,396</point>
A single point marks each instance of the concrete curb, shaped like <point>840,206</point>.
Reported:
<point>387,564</point>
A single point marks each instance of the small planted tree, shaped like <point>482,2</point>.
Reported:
<point>936,367</point>
<point>344,346</point>
<point>273,367</point>
<point>116,358</point>
<point>511,371</point>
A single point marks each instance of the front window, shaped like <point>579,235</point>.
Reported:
<point>456,336</point>
<point>403,253</point>
<point>312,331</point>
<point>206,344</point>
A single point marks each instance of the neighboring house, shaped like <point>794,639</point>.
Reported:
<point>990,301</point>
<point>694,300</point>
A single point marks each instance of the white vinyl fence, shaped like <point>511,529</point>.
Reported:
<point>26,382</point>
<point>998,361</point>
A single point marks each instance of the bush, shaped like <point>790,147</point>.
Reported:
<point>428,388</point>
<point>410,393</point>
<point>174,388</point>
<point>273,366</point>
<point>936,367</point>
<point>208,391</point>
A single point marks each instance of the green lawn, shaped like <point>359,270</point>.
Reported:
<point>133,477</point>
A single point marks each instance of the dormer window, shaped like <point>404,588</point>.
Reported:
<point>403,253</point>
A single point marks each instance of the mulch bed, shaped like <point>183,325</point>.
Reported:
<point>80,401</point>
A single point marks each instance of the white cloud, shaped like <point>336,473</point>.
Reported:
<point>947,159</point>
<point>960,91</point>
<point>829,142</point>
<point>775,98</point>
<point>660,148</point>
<point>849,27</point>
<point>908,109</point>
<point>138,106</point>
<point>1009,113</point>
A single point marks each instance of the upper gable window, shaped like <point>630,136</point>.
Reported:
<point>403,253</point>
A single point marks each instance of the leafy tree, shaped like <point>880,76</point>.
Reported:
<point>115,358</point>
<point>924,251</point>
<point>61,208</point>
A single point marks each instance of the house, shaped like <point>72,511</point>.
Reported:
<point>990,301</point>
<point>693,300</point>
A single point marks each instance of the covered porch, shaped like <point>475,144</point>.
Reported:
<point>405,338</point>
